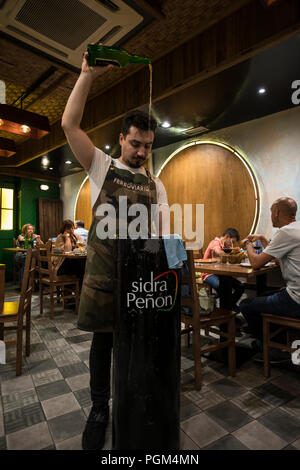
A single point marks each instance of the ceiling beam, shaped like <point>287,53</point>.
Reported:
<point>153,9</point>
<point>29,175</point>
<point>232,40</point>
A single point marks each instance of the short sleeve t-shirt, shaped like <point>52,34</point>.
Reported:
<point>285,245</point>
<point>99,167</point>
<point>209,253</point>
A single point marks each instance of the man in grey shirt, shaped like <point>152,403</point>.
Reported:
<point>285,246</point>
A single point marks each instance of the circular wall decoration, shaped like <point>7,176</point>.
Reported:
<point>83,210</point>
<point>217,176</point>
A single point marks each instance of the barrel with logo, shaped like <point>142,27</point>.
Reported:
<point>146,379</point>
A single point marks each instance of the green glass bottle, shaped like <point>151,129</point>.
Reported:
<point>104,55</point>
<point>26,242</point>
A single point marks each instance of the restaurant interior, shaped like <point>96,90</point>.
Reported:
<point>225,94</point>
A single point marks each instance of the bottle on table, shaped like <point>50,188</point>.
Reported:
<point>104,55</point>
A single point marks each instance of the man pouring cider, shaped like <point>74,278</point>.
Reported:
<point>112,181</point>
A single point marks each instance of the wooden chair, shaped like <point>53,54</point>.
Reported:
<point>285,324</point>
<point>194,322</point>
<point>59,288</point>
<point>198,253</point>
<point>16,266</point>
<point>14,312</point>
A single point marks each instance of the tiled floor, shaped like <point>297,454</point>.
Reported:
<point>47,406</point>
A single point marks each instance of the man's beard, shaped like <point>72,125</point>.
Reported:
<point>136,163</point>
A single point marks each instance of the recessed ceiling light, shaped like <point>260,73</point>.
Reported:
<point>68,162</point>
<point>45,161</point>
<point>107,147</point>
<point>44,187</point>
<point>25,129</point>
<point>50,168</point>
<point>262,91</point>
<point>166,124</point>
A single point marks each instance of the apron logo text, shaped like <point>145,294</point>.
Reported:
<point>153,294</point>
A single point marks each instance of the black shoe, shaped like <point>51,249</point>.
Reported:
<point>257,345</point>
<point>93,436</point>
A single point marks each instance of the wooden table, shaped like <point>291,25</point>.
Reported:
<point>62,255</point>
<point>15,250</point>
<point>69,255</point>
<point>227,271</point>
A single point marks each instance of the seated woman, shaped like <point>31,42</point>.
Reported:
<point>27,239</point>
<point>67,240</point>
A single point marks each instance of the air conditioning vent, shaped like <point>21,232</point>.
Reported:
<point>81,22</point>
<point>110,34</point>
<point>196,130</point>
<point>108,4</point>
<point>63,28</point>
<point>36,41</point>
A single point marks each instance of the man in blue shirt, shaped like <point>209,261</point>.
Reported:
<point>80,230</point>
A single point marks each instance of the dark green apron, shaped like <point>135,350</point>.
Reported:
<point>96,310</point>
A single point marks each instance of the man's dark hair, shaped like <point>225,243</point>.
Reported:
<point>79,223</point>
<point>232,232</point>
<point>138,119</point>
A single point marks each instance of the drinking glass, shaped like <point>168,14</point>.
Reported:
<point>227,247</point>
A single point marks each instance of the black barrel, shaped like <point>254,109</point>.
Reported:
<point>146,379</point>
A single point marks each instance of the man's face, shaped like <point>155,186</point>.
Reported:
<point>228,242</point>
<point>136,146</point>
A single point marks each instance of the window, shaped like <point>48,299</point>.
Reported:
<point>6,208</point>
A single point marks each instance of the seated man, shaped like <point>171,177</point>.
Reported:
<point>285,245</point>
<point>215,248</point>
<point>80,230</point>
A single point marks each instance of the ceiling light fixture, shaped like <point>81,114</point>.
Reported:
<point>44,187</point>
<point>68,162</point>
<point>262,91</point>
<point>45,161</point>
<point>165,124</point>
<point>107,147</point>
<point>50,168</point>
<point>7,147</point>
<point>21,122</point>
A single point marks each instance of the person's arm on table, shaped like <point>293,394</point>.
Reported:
<point>258,236</point>
<point>256,261</point>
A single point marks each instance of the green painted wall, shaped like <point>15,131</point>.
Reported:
<point>27,192</point>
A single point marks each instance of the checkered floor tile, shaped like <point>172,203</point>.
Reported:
<point>47,406</point>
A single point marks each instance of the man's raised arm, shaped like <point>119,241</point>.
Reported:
<point>81,145</point>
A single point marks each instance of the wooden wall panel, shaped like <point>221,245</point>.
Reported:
<point>50,216</point>
<point>214,176</point>
<point>83,210</point>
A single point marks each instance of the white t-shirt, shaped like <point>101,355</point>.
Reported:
<point>99,167</point>
<point>285,245</point>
